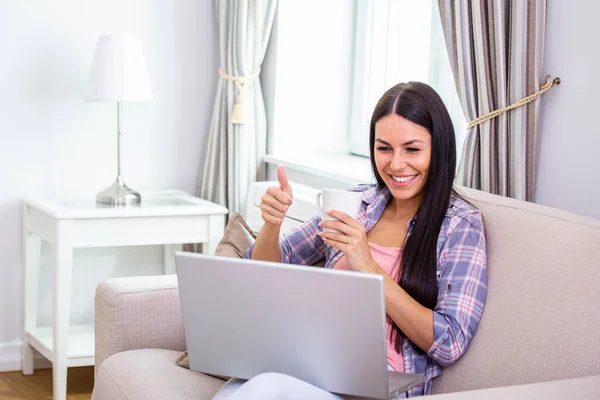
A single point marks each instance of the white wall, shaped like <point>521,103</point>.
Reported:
<point>54,144</point>
<point>569,175</point>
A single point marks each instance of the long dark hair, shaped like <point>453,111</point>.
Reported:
<point>419,103</point>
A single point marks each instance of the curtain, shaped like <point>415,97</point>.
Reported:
<point>237,137</point>
<point>441,78</point>
<point>496,52</point>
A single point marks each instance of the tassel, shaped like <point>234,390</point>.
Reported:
<point>238,114</point>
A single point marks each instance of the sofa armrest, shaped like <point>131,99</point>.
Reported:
<point>137,313</point>
<point>577,388</point>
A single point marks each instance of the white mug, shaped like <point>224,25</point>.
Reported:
<point>339,200</point>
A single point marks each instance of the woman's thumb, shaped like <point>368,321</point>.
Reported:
<point>283,181</point>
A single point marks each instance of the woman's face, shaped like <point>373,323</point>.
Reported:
<point>402,156</point>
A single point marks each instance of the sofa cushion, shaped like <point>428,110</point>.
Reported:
<point>237,238</point>
<point>541,318</point>
<point>151,374</point>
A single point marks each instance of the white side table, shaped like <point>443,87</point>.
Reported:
<point>170,218</point>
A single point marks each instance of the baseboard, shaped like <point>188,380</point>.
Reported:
<point>11,358</point>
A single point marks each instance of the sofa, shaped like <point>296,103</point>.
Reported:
<point>539,336</point>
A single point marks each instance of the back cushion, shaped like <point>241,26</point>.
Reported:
<point>541,319</point>
<point>237,238</point>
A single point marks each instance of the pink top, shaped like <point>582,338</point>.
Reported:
<point>388,259</point>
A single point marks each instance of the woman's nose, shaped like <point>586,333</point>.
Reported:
<point>398,163</point>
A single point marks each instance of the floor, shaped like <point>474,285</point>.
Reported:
<point>16,386</point>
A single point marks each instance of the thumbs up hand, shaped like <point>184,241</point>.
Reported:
<point>276,201</point>
<point>284,183</point>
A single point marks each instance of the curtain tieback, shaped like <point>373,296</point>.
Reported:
<point>547,85</point>
<point>238,113</point>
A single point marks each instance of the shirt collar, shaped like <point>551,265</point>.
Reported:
<point>377,194</point>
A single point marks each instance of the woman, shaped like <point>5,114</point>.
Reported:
<point>427,242</point>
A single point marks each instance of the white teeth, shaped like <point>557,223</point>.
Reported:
<point>403,178</point>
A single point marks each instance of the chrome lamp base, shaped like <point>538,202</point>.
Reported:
<point>118,195</point>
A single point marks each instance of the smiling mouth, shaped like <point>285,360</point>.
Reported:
<point>403,179</point>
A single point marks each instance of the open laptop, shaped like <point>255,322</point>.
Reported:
<point>325,327</point>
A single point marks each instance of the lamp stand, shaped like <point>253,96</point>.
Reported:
<point>118,194</point>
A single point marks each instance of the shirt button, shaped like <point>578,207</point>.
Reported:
<point>407,347</point>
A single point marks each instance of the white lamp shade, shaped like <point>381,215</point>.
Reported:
<point>119,70</point>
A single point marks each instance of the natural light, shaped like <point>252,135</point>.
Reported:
<point>399,41</point>
<point>332,67</point>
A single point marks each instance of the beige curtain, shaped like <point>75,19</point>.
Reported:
<point>496,51</point>
<point>237,140</point>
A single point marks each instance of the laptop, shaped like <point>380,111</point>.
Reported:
<point>326,327</point>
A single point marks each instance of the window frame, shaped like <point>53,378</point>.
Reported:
<point>358,138</point>
<point>359,125</point>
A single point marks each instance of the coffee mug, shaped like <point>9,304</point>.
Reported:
<point>339,200</point>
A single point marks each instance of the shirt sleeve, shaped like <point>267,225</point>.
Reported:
<point>302,245</point>
<point>462,288</point>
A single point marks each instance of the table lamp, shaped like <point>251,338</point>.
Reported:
<point>118,74</point>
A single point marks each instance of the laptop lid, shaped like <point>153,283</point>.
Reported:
<point>246,317</point>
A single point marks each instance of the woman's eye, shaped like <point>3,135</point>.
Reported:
<point>383,148</point>
<point>412,149</point>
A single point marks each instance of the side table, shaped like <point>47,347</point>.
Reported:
<point>169,218</point>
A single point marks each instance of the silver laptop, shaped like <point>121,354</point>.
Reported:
<point>325,327</point>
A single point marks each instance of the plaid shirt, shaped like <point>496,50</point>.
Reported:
<point>461,276</point>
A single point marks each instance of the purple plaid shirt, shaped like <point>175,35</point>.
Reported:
<point>461,275</point>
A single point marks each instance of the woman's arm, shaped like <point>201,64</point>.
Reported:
<point>462,289</point>
<point>445,333</point>
<point>266,247</point>
<point>274,205</point>
<point>415,320</point>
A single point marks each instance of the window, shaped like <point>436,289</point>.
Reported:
<point>330,61</point>
<point>312,77</point>
<point>398,41</point>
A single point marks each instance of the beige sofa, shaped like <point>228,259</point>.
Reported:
<point>541,322</point>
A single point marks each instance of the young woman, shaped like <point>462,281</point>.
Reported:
<point>427,242</point>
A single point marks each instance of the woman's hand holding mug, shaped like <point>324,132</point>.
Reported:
<point>276,201</point>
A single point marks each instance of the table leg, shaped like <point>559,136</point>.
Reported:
<point>63,267</point>
<point>216,228</point>
<point>169,254</point>
<point>31,252</point>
